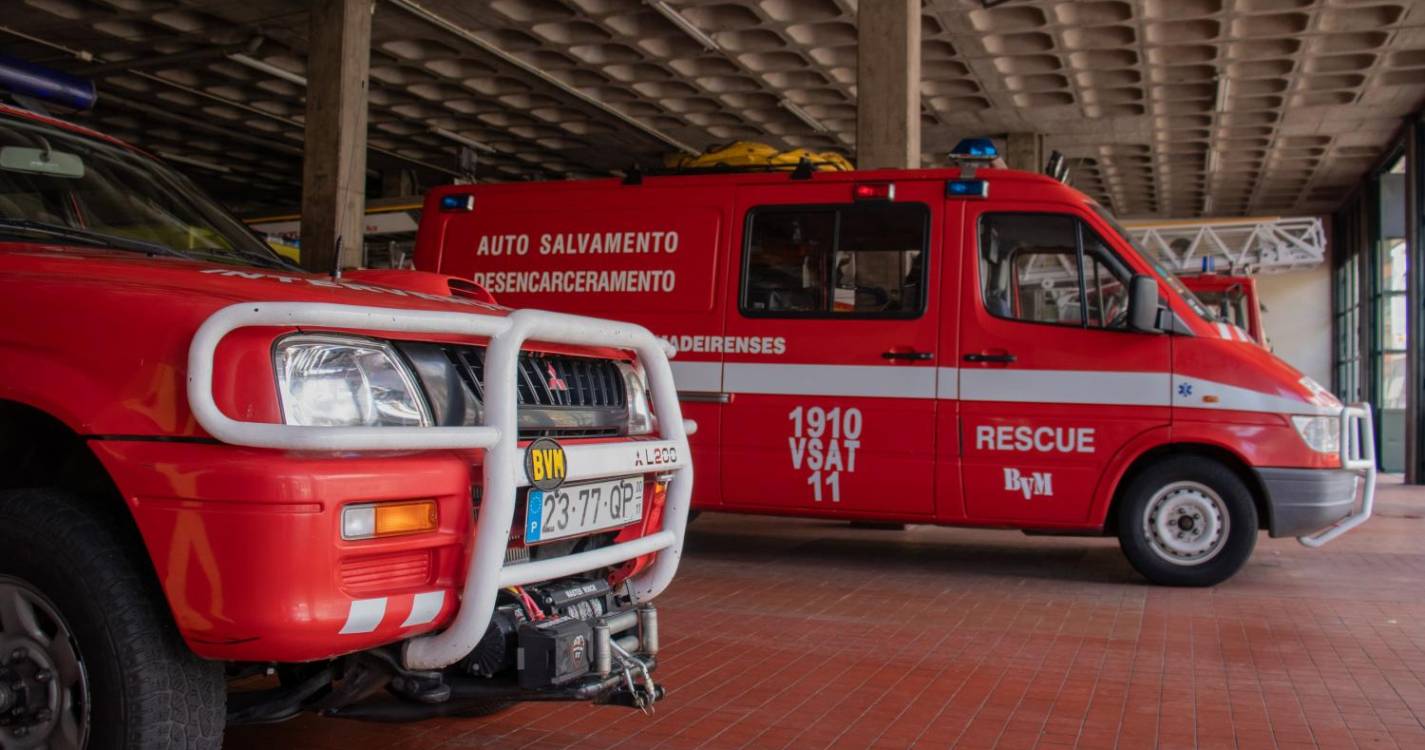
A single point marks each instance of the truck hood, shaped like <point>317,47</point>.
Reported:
<point>197,284</point>
<point>101,338</point>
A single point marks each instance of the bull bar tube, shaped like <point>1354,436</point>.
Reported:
<point>1358,454</point>
<point>498,436</point>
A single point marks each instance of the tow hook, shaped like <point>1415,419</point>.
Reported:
<point>642,694</point>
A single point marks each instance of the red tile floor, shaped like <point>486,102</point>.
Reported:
<point>782,633</point>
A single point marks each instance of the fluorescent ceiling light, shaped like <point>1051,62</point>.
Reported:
<point>458,138</point>
<point>687,26</point>
<point>269,69</point>
<point>802,115</point>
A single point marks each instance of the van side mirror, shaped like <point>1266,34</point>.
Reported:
<point>1143,304</point>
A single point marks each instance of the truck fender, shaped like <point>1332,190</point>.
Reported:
<point>50,385</point>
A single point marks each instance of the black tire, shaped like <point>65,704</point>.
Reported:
<point>145,689</point>
<point>1187,521</point>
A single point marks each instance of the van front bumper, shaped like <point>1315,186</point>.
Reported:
<point>1319,505</point>
<point>1301,501</point>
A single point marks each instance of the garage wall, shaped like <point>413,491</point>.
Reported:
<point>1298,319</point>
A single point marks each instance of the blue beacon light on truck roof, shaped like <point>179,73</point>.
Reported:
<point>26,79</point>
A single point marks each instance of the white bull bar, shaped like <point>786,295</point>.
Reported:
<point>499,438</point>
<point>1358,454</point>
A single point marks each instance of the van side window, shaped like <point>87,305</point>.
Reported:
<point>1047,268</point>
<point>861,260</point>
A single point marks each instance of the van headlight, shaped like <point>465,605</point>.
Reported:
<point>346,381</point>
<point>1321,434</point>
<point>640,409</point>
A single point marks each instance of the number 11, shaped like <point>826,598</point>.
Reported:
<point>833,480</point>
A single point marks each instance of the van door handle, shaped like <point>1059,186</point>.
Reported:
<point>982,357</point>
<point>907,354</point>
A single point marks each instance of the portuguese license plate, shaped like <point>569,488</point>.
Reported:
<point>575,509</point>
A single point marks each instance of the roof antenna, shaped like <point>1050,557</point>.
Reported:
<point>336,262</point>
<point>804,169</point>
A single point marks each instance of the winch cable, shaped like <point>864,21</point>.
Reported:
<point>527,601</point>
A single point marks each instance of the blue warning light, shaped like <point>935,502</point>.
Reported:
<point>967,189</point>
<point>975,148</point>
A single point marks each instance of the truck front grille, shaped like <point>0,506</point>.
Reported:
<point>558,395</point>
<point>550,379</point>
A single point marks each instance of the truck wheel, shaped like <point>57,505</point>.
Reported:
<point>1187,521</point>
<point>89,656</point>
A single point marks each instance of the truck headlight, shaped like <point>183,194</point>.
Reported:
<point>640,410</point>
<point>1321,434</point>
<point>346,381</point>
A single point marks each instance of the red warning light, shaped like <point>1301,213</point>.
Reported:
<point>873,191</point>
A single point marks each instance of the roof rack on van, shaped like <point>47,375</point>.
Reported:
<point>802,170</point>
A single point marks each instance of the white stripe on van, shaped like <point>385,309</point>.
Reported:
<point>883,381</point>
<point>1066,387</point>
<point>1006,385</point>
<point>697,376</point>
<point>947,383</point>
<point>1188,392</point>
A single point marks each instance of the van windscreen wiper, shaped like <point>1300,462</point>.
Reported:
<point>88,237</point>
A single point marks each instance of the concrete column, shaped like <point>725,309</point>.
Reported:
<point>1025,151</point>
<point>334,162</point>
<point>888,84</point>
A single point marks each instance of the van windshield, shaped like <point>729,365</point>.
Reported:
<point>1203,311</point>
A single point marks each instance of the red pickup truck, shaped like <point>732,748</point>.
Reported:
<point>376,496</point>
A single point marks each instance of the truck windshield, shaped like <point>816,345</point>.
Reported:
<point>63,187</point>
<point>1203,311</point>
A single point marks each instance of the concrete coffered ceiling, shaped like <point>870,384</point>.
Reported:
<point>1171,108</point>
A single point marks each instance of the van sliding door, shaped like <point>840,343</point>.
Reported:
<point>830,358</point>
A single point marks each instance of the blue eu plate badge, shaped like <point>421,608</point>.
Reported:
<point>534,518</point>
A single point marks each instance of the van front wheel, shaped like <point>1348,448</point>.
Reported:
<point>1187,521</point>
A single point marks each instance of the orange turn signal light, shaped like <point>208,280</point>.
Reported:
<point>375,520</point>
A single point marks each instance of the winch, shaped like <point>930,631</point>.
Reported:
<point>564,632</point>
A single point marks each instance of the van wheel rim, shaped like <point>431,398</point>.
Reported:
<point>44,686</point>
<point>1186,523</point>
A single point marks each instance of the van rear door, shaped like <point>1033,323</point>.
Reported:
<point>646,253</point>
<point>830,355</point>
<point>1052,382</point>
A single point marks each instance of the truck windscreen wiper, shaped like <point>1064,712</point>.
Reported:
<point>88,237</point>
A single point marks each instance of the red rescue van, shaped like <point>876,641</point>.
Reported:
<point>220,467</point>
<point>964,346</point>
